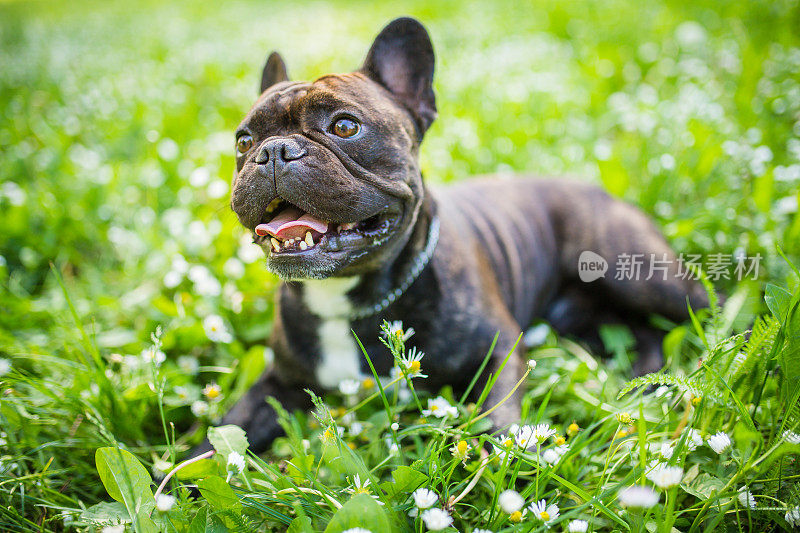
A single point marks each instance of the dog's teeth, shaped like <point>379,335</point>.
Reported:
<point>309,239</point>
<point>303,245</point>
<point>275,244</point>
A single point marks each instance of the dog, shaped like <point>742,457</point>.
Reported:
<point>328,180</point>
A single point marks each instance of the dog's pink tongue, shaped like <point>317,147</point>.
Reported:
<point>290,223</point>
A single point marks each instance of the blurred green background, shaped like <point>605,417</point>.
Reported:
<point>117,152</point>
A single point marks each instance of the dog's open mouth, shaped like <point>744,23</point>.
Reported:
<point>290,230</point>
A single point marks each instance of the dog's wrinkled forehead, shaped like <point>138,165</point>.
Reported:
<point>291,105</point>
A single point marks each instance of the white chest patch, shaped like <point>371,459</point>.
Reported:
<point>340,356</point>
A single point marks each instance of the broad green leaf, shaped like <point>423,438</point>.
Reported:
<point>298,466</point>
<point>125,479</point>
<point>201,468</point>
<point>106,512</point>
<point>360,511</point>
<point>219,494</point>
<point>198,524</point>
<point>227,439</point>
<point>145,524</point>
<point>778,300</point>
<point>406,479</point>
<point>216,525</point>
<point>703,486</point>
<point>301,524</point>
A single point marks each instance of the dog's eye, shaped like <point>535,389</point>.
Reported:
<point>346,127</point>
<point>244,143</point>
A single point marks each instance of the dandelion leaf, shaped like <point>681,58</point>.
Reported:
<point>218,493</point>
<point>360,511</point>
<point>227,439</point>
<point>125,479</point>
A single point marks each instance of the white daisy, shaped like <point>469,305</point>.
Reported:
<point>440,408</point>
<point>523,436</point>
<point>396,328</point>
<point>664,476</point>
<point>357,530</point>
<point>424,498</point>
<point>526,436</point>
<point>719,442</point>
<point>165,502</point>
<point>482,531</point>
<point>578,526</point>
<point>746,498</point>
<point>542,511</point>
<point>510,501</point>
<point>638,496</point>
<point>120,528</point>
<point>411,363</point>
<point>360,487</point>
<point>349,387</point>
<point>199,408</point>
<point>212,391</point>
<point>554,455</point>
<point>188,364</point>
<point>152,355</point>
<point>215,329</point>
<point>550,456</point>
<point>436,519</point>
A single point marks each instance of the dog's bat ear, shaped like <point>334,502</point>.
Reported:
<point>274,71</point>
<point>401,59</point>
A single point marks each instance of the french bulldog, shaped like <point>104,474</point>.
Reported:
<point>328,180</point>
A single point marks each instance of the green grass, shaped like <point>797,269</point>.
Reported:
<point>116,154</point>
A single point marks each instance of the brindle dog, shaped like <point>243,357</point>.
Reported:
<point>328,180</point>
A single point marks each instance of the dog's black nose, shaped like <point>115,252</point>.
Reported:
<point>279,150</point>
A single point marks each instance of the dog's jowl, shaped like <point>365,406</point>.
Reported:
<point>328,180</point>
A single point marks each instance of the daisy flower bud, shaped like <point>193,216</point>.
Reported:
<point>164,502</point>
<point>664,476</point>
<point>719,442</point>
<point>235,463</point>
<point>437,519</point>
<point>637,496</point>
<point>460,450</point>
<point>578,526</point>
<point>510,501</point>
<point>424,498</point>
